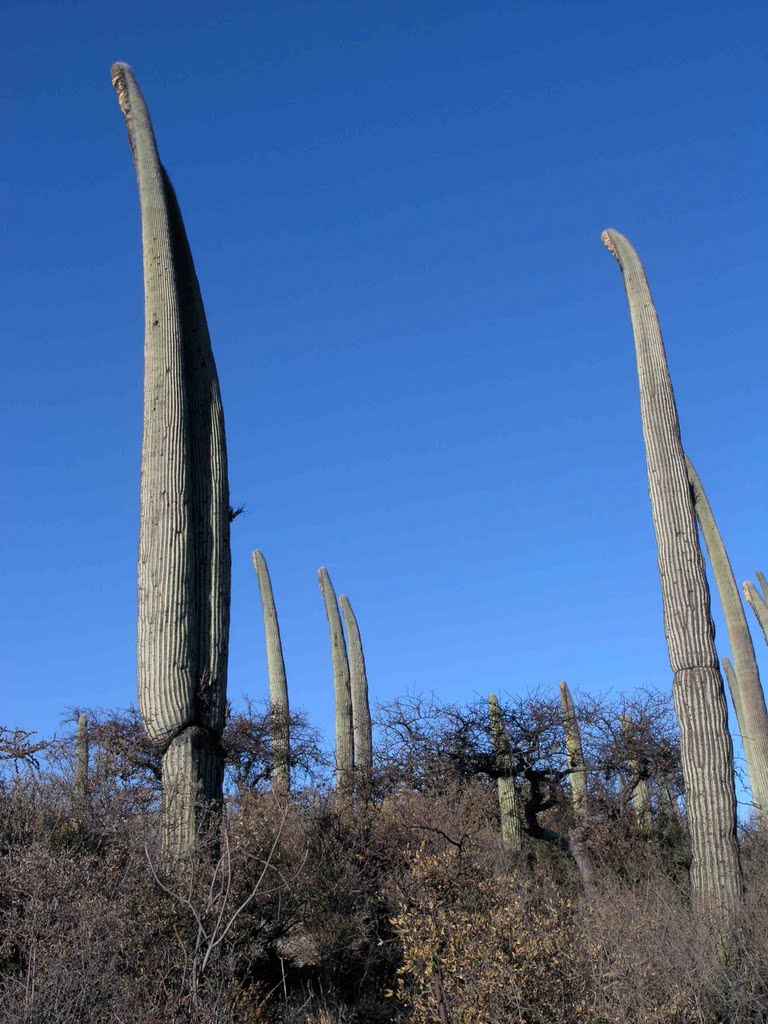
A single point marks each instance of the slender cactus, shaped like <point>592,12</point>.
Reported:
<point>184,556</point>
<point>506,785</point>
<point>81,769</point>
<point>278,684</point>
<point>345,756</point>
<point>641,797</point>
<point>361,710</point>
<point>763,584</point>
<point>757,604</point>
<point>744,680</point>
<point>574,753</point>
<point>706,749</point>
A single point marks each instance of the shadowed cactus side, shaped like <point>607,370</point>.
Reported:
<point>743,677</point>
<point>574,753</point>
<point>361,710</point>
<point>506,785</point>
<point>278,684</point>
<point>184,556</point>
<point>699,697</point>
<point>345,756</point>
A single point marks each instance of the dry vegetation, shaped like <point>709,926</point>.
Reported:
<point>408,909</point>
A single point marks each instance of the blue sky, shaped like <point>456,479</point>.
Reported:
<point>425,352</point>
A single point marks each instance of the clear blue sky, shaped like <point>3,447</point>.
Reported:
<point>424,350</point>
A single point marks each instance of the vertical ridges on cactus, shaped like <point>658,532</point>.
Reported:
<point>506,785</point>
<point>706,749</point>
<point>278,684</point>
<point>361,710</point>
<point>184,556</point>
<point>574,752</point>
<point>744,680</point>
<point>757,604</point>
<point>345,757</point>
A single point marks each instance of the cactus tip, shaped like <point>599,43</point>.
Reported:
<point>609,243</point>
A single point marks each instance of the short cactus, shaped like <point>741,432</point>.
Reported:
<point>345,756</point>
<point>361,711</point>
<point>81,769</point>
<point>278,684</point>
<point>509,799</point>
<point>574,753</point>
<point>184,556</point>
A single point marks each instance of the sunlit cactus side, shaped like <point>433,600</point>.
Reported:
<point>361,709</point>
<point>757,603</point>
<point>744,677</point>
<point>345,756</point>
<point>641,797</point>
<point>699,696</point>
<point>574,752</point>
<point>81,769</point>
<point>278,684</point>
<point>184,556</point>
<point>509,799</point>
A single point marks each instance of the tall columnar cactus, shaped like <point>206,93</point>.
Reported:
<point>758,604</point>
<point>706,750</point>
<point>184,556</point>
<point>81,769</point>
<point>574,753</point>
<point>744,679</point>
<point>361,710</point>
<point>641,797</point>
<point>278,684</point>
<point>506,784</point>
<point>345,756</point>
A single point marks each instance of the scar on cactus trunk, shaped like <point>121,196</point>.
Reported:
<point>279,711</point>
<point>705,743</point>
<point>184,557</point>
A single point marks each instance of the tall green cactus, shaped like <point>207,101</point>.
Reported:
<point>758,604</point>
<point>278,684</point>
<point>506,785</point>
<point>744,679</point>
<point>706,750</point>
<point>574,752</point>
<point>361,710</point>
<point>184,556</point>
<point>345,749</point>
<point>81,770</point>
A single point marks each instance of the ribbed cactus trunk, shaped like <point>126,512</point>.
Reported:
<point>706,750</point>
<point>184,556</point>
<point>81,770</point>
<point>641,796</point>
<point>361,710</point>
<point>744,678</point>
<point>510,813</point>
<point>757,603</point>
<point>345,755</point>
<point>574,752</point>
<point>278,684</point>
